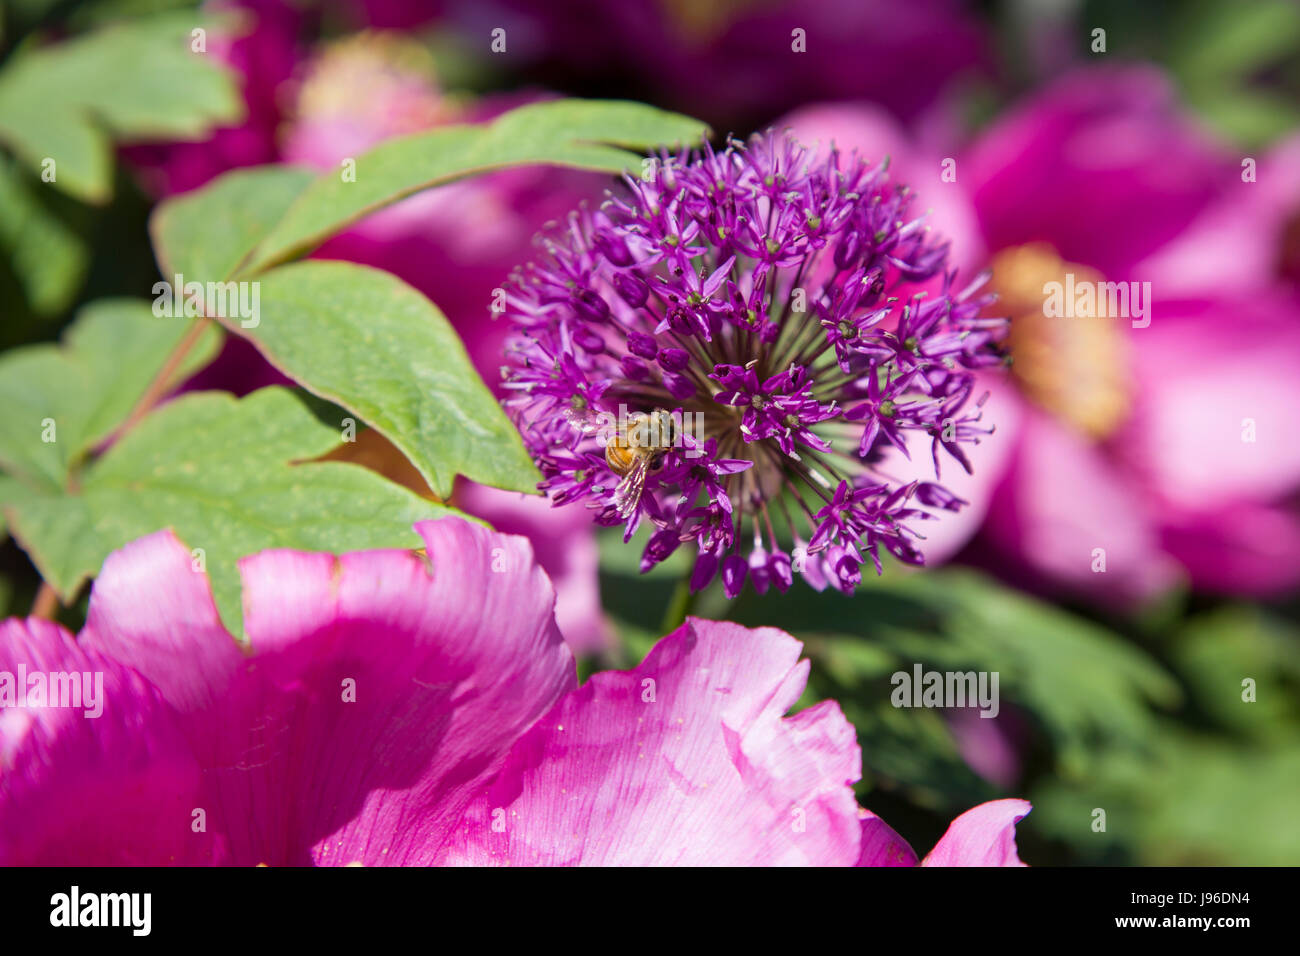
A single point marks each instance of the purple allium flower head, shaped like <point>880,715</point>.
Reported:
<point>747,329</point>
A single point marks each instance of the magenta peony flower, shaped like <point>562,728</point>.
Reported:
<point>566,549</point>
<point>759,322</point>
<point>262,54</point>
<point>1107,426</point>
<point>1257,217</point>
<point>733,64</point>
<point>393,708</point>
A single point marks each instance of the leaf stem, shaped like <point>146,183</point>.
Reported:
<point>161,382</point>
<point>46,604</point>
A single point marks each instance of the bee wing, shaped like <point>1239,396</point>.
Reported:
<point>628,492</point>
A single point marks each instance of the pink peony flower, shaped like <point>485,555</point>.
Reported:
<point>565,548</point>
<point>1108,429</point>
<point>1246,239</point>
<point>982,836</point>
<point>392,708</point>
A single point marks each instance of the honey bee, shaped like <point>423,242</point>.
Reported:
<point>637,450</point>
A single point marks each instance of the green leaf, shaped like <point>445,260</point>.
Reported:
<point>85,387</point>
<point>221,473</point>
<point>1190,800</point>
<point>49,259</point>
<point>1250,117</point>
<point>1217,651</point>
<point>131,81</point>
<point>1219,42</point>
<point>207,233</point>
<point>1089,687</point>
<point>1086,686</point>
<point>75,156</point>
<point>366,340</point>
<point>601,135</point>
<point>360,337</point>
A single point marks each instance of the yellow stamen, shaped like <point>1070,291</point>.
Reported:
<point>1076,367</point>
<point>376,70</point>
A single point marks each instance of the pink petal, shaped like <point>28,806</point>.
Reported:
<point>565,543</point>
<point>875,134</point>
<point>982,836</point>
<point>990,746</point>
<point>152,611</point>
<point>1072,164</point>
<point>110,784</point>
<point>686,760</point>
<point>881,846</point>
<point>1205,368</point>
<point>1061,499</point>
<point>1250,218</point>
<point>449,658</point>
<point>1240,548</point>
<point>450,666</point>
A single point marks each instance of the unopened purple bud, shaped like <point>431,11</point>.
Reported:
<point>613,248</point>
<point>780,570</point>
<point>758,570</point>
<point>679,386</point>
<point>632,289</point>
<point>634,368</point>
<point>674,360</point>
<point>679,320</point>
<point>733,574</point>
<point>661,544</point>
<point>642,345</point>
<point>588,340</point>
<point>706,566</point>
<point>590,306</point>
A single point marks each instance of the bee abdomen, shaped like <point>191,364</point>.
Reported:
<point>620,458</point>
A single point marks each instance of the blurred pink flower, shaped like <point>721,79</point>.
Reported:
<point>991,746</point>
<point>1103,164</point>
<point>262,52</point>
<point>1129,440</point>
<point>734,64</point>
<point>392,708</point>
<point>1246,239</point>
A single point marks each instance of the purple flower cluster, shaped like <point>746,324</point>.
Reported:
<point>788,306</point>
